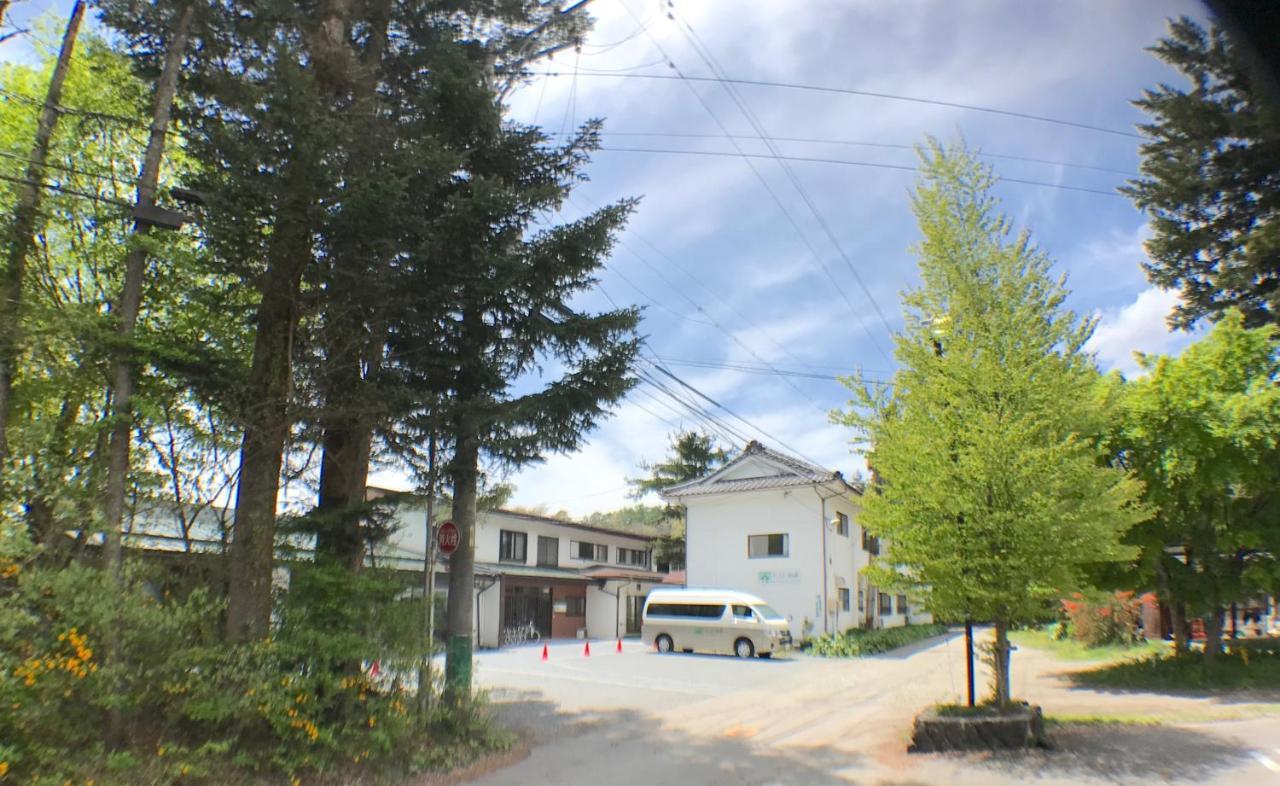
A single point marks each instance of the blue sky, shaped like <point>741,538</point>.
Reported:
<point>722,273</point>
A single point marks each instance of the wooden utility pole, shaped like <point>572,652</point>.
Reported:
<point>22,227</point>
<point>123,377</point>
<point>429,589</point>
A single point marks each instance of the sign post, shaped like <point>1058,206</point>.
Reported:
<point>444,538</point>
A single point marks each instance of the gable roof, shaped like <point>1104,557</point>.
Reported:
<point>772,470</point>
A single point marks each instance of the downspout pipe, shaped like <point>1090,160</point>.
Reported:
<point>822,505</point>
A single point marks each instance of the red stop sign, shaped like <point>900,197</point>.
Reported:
<point>448,537</point>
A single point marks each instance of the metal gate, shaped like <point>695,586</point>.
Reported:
<point>524,604</point>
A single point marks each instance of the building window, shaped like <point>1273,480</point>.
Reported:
<point>886,604</point>
<point>870,543</point>
<point>842,524</point>
<point>768,545</point>
<point>575,606</point>
<point>638,558</point>
<point>844,599</point>
<point>862,600</point>
<point>512,546</point>
<point>548,551</point>
<point>593,552</point>
<point>902,604</point>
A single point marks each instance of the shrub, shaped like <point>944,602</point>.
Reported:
<point>78,649</point>
<point>858,642</point>
<point>1106,619</point>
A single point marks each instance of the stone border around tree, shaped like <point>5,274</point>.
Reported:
<point>1018,728</point>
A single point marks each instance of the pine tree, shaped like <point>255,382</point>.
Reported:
<point>513,369</point>
<point>991,493</point>
<point>1209,174</point>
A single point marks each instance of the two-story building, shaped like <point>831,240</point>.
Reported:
<point>786,530</point>
<point>568,579</point>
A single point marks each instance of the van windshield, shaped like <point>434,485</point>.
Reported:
<point>767,611</point>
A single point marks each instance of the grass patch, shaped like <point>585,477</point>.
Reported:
<point>857,642</point>
<point>1109,719</point>
<point>1227,672</point>
<point>1070,649</point>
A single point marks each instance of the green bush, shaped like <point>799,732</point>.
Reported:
<point>858,642</point>
<point>81,653</point>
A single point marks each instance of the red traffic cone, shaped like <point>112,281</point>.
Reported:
<point>586,650</point>
<point>544,652</point>
<point>619,650</point>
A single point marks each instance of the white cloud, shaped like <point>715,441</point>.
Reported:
<point>1139,326</point>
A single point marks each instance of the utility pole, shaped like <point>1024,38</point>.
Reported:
<point>22,227</point>
<point>122,384</point>
<point>429,591</point>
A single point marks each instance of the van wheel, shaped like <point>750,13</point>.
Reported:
<point>743,648</point>
<point>664,643</point>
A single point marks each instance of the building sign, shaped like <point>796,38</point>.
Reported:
<point>779,577</point>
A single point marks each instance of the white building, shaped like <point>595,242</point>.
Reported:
<point>784,529</point>
<point>570,580</point>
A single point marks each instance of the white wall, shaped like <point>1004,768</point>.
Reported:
<point>489,603</point>
<point>602,611</point>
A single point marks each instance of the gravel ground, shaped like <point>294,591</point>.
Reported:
<point>642,718</point>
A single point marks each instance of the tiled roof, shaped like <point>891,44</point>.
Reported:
<point>795,472</point>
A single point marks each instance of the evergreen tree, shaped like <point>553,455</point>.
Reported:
<point>1208,184</point>
<point>991,494</point>
<point>692,455</point>
<point>1199,431</point>
<point>514,369</point>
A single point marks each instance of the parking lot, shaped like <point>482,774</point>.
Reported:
<point>637,717</point>
<point>637,678</point>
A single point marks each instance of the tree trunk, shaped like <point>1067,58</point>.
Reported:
<point>127,307</point>
<point>1178,618</point>
<point>344,472</point>
<point>465,470</point>
<point>1000,664</point>
<point>22,227</point>
<point>266,429</point>
<point>1213,633</point>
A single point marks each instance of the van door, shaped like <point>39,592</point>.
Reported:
<point>745,622</point>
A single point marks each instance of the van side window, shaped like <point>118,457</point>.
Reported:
<point>704,610</point>
<point>743,612</point>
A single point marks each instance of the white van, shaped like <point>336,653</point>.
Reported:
<point>709,620</point>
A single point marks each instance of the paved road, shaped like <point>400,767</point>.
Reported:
<point>642,718</point>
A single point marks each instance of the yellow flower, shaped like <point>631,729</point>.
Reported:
<point>373,721</point>
<point>296,781</point>
<point>4,768</point>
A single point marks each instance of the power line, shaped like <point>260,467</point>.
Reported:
<point>768,188</point>
<point>863,93</point>
<point>68,191</point>
<point>667,372</point>
<point>749,369</point>
<point>854,143</point>
<point>844,162</point>
<point>709,59</point>
<point>64,168</point>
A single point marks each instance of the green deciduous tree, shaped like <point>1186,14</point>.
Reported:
<point>1202,431</point>
<point>991,492</point>
<point>1209,182</point>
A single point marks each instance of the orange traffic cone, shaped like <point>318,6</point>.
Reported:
<point>586,650</point>
<point>544,652</point>
<point>619,646</point>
